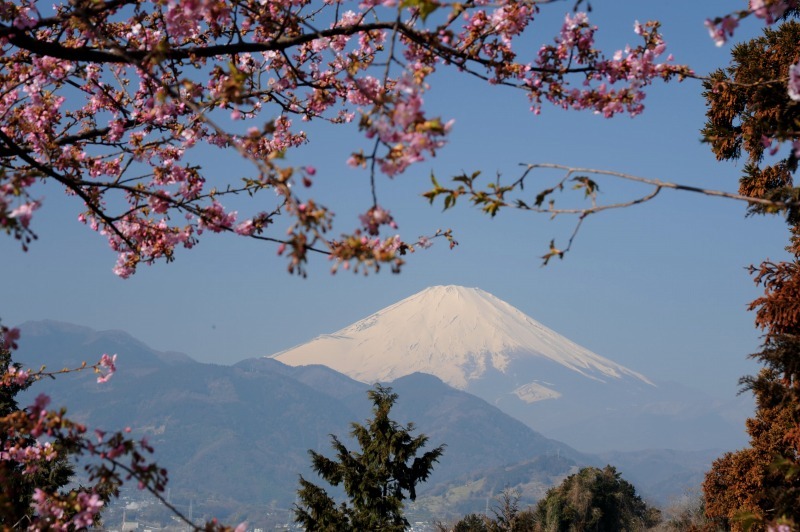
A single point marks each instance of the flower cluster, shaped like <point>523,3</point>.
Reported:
<point>374,218</point>
<point>76,511</point>
<point>16,376</point>
<point>794,82</point>
<point>8,338</point>
<point>28,454</point>
<point>770,10</point>
<point>106,367</point>
<point>361,253</point>
<point>779,528</point>
<point>721,28</point>
<point>634,68</point>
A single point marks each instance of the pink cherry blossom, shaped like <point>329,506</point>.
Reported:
<point>245,228</point>
<point>721,29</point>
<point>17,376</point>
<point>107,368</point>
<point>794,82</point>
<point>90,505</point>
<point>769,10</point>
<point>9,337</point>
<point>24,212</point>
<point>779,528</point>
<point>374,218</point>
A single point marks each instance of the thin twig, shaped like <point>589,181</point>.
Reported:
<point>660,184</point>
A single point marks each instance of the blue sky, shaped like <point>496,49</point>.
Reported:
<point>661,288</point>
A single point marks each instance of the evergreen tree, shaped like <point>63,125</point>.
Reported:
<point>376,480</point>
<point>594,500</point>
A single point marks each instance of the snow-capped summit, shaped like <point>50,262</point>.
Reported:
<point>478,343</point>
<point>458,334</point>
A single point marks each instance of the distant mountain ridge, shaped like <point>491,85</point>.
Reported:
<point>241,433</point>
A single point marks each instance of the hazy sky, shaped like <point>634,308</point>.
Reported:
<point>661,288</point>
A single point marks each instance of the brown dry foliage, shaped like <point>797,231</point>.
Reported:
<point>778,310</point>
<point>748,107</point>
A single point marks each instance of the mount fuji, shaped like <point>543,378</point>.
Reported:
<point>458,334</point>
<point>478,343</point>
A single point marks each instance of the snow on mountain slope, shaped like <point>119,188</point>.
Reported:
<point>477,343</point>
<point>458,334</point>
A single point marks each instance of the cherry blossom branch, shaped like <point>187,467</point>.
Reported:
<point>193,61</point>
<point>105,368</point>
<point>115,458</point>
<point>282,44</point>
<point>143,483</point>
<point>68,183</point>
<point>130,56</point>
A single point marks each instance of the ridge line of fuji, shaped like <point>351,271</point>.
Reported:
<point>447,331</point>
